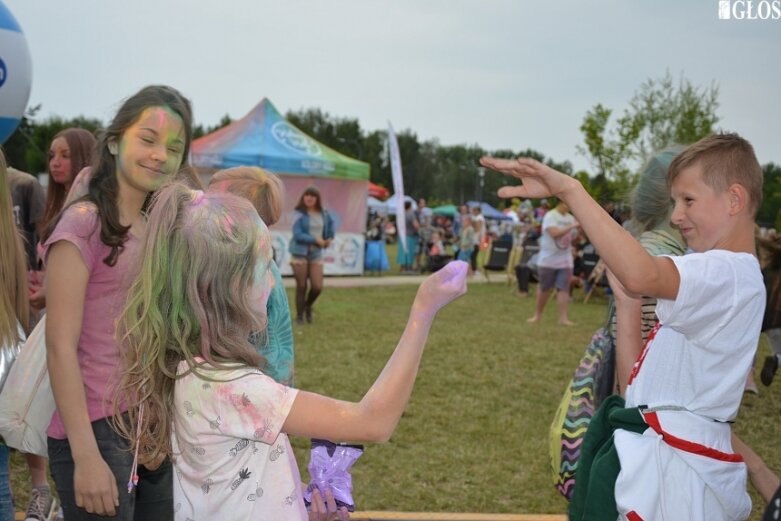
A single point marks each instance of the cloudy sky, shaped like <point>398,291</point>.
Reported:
<point>498,73</point>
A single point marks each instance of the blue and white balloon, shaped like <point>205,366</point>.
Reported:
<point>15,73</point>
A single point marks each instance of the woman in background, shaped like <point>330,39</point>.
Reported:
<point>313,232</point>
<point>70,152</point>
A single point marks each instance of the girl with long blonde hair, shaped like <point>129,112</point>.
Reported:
<point>190,377</point>
<point>14,307</point>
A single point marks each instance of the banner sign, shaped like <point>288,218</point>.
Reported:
<point>398,187</point>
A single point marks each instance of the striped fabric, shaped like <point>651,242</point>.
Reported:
<point>587,386</point>
<point>575,411</point>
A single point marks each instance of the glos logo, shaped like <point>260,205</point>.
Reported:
<point>750,10</point>
<point>3,72</point>
<point>724,10</point>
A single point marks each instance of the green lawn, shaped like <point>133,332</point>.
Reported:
<point>474,437</point>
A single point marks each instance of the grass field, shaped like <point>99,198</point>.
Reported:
<point>475,435</point>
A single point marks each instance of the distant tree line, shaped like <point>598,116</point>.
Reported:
<point>662,112</point>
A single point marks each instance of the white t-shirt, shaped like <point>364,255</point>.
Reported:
<point>701,355</point>
<point>231,460</point>
<point>556,253</point>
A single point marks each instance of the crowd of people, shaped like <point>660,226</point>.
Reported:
<point>171,355</point>
<point>138,244</point>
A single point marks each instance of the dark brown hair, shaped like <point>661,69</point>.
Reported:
<point>310,190</point>
<point>103,186</point>
<point>82,145</point>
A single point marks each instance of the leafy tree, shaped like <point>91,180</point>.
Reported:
<point>661,113</point>
<point>375,153</point>
<point>608,154</point>
<point>200,130</point>
<point>17,143</point>
<point>341,134</point>
<point>769,213</point>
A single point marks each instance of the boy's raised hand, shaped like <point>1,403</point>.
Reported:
<point>539,180</point>
<point>443,287</point>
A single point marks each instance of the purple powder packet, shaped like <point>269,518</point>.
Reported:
<point>329,467</point>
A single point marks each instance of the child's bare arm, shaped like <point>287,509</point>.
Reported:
<point>765,480</point>
<point>375,417</point>
<point>629,335</point>
<point>66,284</point>
<point>558,231</point>
<point>639,272</point>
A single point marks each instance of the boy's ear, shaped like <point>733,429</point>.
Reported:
<point>738,198</point>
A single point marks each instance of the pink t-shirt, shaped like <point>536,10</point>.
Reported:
<point>105,297</point>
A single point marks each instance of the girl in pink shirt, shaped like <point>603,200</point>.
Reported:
<point>87,252</point>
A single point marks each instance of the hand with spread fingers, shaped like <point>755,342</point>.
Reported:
<point>539,180</point>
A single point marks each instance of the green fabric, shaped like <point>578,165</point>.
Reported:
<point>594,497</point>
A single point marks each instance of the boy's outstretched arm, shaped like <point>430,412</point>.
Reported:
<point>639,272</point>
<point>375,417</point>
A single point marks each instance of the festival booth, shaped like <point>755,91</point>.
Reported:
<point>266,139</point>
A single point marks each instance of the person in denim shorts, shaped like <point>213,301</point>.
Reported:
<point>313,232</point>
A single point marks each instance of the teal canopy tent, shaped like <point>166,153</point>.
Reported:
<point>448,210</point>
<point>265,139</point>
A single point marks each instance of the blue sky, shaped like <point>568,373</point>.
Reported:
<point>502,74</point>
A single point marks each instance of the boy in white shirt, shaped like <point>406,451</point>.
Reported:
<point>687,383</point>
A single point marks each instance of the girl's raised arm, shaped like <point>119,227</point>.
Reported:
<point>374,418</point>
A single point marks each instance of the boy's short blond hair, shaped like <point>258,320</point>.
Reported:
<point>726,159</point>
<point>263,189</point>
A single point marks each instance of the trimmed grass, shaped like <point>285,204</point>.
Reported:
<point>474,437</point>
